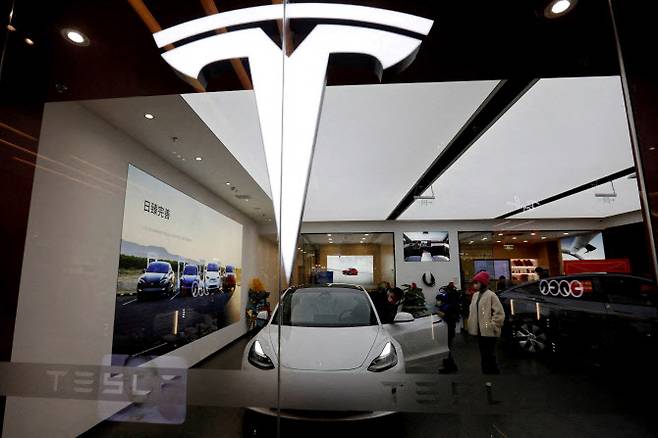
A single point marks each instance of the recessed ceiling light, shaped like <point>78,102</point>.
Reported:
<point>533,234</point>
<point>149,116</point>
<point>652,148</point>
<point>246,199</point>
<point>566,234</point>
<point>543,237</point>
<point>557,8</point>
<point>500,234</point>
<point>560,6</point>
<point>328,235</point>
<point>29,42</point>
<point>498,241</point>
<point>525,241</point>
<point>471,242</point>
<point>183,158</point>
<point>198,158</point>
<point>484,238</point>
<point>228,183</point>
<point>76,37</point>
<point>366,234</point>
<point>11,28</point>
<point>514,238</point>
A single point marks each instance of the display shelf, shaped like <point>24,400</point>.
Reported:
<point>524,269</point>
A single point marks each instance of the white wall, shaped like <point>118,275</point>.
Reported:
<point>68,284</point>
<point>444,272</point>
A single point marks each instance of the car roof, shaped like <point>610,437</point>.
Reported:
<point>328,285</point>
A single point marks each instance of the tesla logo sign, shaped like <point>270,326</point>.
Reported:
<point>565,288</point>
<point>289,104</point>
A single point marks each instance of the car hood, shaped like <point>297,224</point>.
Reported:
<point>324,348</point>
<point>152,276</point>
<point>188,278</point>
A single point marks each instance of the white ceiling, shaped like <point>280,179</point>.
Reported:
<point>561,134</point>
<point>375,141</point>
<point>174,118</point>
<point>587,205</point>
<point>232,116</point>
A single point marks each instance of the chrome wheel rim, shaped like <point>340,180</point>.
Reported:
<point>531,338</point>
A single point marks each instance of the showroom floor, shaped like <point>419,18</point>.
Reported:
<point>568,401</point>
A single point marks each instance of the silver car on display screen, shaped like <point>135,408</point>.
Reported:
<point>334,330</point>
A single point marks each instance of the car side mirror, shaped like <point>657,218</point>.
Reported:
<point>403,317</point>
<point>262,315</point>
<point>143,271</point>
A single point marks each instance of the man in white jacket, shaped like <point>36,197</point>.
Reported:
<point>485,320</point>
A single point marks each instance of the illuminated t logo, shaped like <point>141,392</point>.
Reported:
<point>289,104</point>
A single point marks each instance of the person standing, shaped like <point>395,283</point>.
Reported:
<point>486,318</point>
<point>447,302</point>
<point>394,299</point>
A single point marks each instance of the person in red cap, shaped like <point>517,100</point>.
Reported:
<point>486,321</point>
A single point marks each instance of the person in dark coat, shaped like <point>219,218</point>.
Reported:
<point>392,306</point>
<point>448,303</point>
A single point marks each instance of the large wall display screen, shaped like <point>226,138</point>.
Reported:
<point>426,246</point>
<point>583,247</point>
<point>351,269</point>
<point>495,268</point>
<point>179,271</point>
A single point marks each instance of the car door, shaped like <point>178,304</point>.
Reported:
<point>574,310</point>
<point>632,314</point>
<point>424,341</point>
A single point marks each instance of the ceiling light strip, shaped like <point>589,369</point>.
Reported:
<point>293,11</point>
<point>575,190</point>
<point>506,94</point>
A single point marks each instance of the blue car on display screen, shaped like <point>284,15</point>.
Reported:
<point>158,280</point>
<point>191,283</point>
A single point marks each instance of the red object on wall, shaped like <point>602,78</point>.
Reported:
<point>622,266</point>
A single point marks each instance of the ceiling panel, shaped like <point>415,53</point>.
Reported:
<point>562,133</point>
<point>592,203</point>
<point>374,141</point>
<point>174,118</point>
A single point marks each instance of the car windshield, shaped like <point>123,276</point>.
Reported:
<point>213,267</point>
<point>159,267</point>
<point>326,307</point>
<point>190,270</point>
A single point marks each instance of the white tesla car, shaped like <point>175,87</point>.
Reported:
<point>335,329</point>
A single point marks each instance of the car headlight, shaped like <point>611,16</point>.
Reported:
<point>163,281</point>
<point>258,358</point>
<point>387,359</point>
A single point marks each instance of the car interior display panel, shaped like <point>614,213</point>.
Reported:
<point>587,246</point>
<point>179,271</point>
<point>426,246</point>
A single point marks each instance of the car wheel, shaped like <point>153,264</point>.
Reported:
<point>531,337</point>
<point>195,291</point>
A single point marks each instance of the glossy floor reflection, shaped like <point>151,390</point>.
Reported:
<point>589,401</point>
